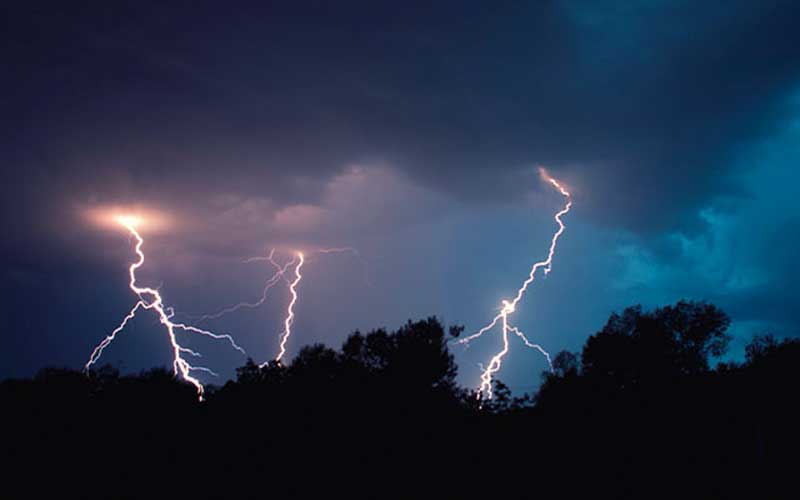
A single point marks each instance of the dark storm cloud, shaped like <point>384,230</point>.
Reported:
<point>640,107</point>
<point>311,121</point>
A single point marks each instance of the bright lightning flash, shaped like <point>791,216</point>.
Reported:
<point>287,323</point>
<point>150,298</point>
<point>509,306</point>
<point>280,274</point>
<point>289,320</point>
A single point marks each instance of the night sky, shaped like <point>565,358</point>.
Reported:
<point>411,132</point>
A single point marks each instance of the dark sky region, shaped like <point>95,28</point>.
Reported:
<point>410,131</point>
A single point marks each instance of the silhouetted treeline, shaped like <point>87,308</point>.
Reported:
<point>643,411</point>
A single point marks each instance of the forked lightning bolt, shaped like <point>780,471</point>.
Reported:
<point>509,306</point>
<point>280,274</point>
<point>180,366</point>
<point>289,320</point>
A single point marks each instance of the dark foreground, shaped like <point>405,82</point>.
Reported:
<point>639,414</point>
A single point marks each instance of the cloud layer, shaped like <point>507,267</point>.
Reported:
<point>412,132</point>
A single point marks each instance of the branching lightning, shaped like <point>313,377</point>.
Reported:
<point>281,274</point>
<point>151,299</point>
<point>156,303</point>
<point>509,306</point>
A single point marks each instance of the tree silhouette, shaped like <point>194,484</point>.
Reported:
<point>669,341</point>
<point>383,417</point>
<point>639,355</point>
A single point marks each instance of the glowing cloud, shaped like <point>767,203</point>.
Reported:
<point>116,217</point>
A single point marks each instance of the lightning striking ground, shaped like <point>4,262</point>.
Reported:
<point>289,320</point>
<point>180,366</point>
<point>280,274</point>
<point>287,323</point>
<point>509,306</point>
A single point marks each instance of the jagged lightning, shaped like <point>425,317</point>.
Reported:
<point>289,320</point>
<point>280,274</point>
<point>509,306</point>
<point>155,302</point>
<point>271,282</point>
<point>287,323</point>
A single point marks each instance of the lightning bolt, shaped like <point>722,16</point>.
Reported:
<point>289,320</point>
<point>180,366</point>
<point>338,250</point>
<point>271,282</point>
<point>356,254</point>
<point>280,274</point>
<point>287,323</point>
<point>509,306</point>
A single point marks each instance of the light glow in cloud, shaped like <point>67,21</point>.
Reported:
<point>150,298</point>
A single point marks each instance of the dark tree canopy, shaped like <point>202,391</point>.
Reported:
<point>379,369</point>
<point>636,355</point>
<point>384,417</point>
<point>416,354</point>
<point>671,340</point>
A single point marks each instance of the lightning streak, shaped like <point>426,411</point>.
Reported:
<point>98,351</point>
<point>279,274</point>
<point>339,250</point>
<point>156,303</point>
<point>509,306</point>
<point>355,253</point>
<point>532,345</point>
<point>287,323</point>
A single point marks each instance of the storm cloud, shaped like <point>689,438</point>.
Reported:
<point>308,123</point>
